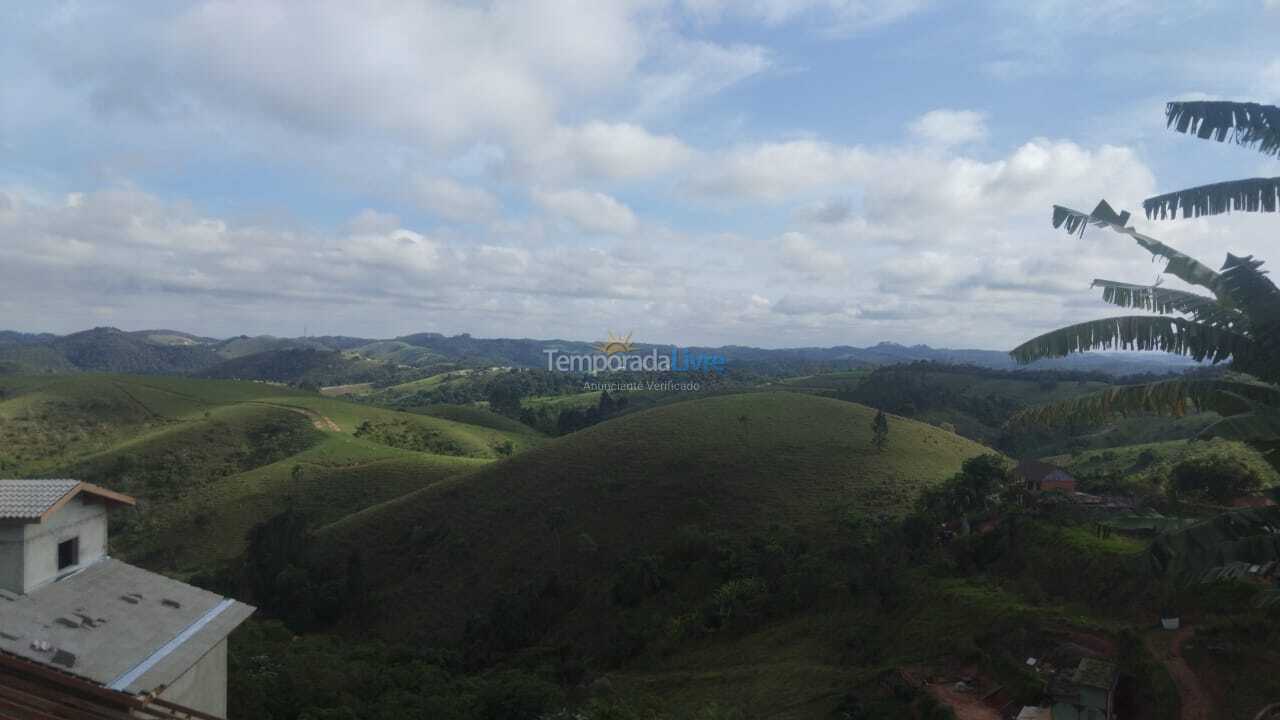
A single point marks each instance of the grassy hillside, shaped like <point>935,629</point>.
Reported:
<point>737,464</point>
<point>400,353</point>
<point>112,350</point>
<point>318,367</point>
<point>209,524</point>
<point>473,415</point>
<point>32,358</point>
<point>426,383</point>
<point>1143,469</point>
<point>243,346</point>
<point>208,459</point>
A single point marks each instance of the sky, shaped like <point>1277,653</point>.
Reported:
<point>762,172</point>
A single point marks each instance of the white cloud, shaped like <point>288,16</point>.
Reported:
<point>398,250</point>
<point>504,77</point>
<point>754,230</point>
<point>950,127</point>
<point>593,212</point>
<point>810,305</point>
<point>59,259</point>
<point>832,16</point>
<point>801,253</point>
<point>440,71</point>
<point>778,170</point>
<point>903,183</point>
<point>692,70</point>
<point>454,201</point>
<point>615,151</point>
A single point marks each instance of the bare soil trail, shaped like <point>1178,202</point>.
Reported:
<point>966,706</point>
<point>1196,703</point>
<point>321,422</point>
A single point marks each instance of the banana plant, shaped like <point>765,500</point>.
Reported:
<point>1236,318</point>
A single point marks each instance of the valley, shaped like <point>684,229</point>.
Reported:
<point>494,542</point>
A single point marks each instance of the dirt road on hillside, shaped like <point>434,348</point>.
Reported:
<point>321,422</point>
<point>1196,704</point>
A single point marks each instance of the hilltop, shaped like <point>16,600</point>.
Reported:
<point>108,349</point>
<point>580,505</point>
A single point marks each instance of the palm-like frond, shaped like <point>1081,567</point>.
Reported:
<point>1252,291</point>
<point>1250,124</point>
<point>1249,195</point>
<point>1180,265</point>
<point>1138,332</point>
<point>1230,398</point>
<point>1167,301</point>
<point>1240,322</point>
<point>1249,288</point>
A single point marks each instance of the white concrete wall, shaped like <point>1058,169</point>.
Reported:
<point>84,517</point>
<point>11,556</point>
<point>203,687</point>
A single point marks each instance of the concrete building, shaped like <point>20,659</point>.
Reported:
<point>1088,693</point>
<point>87,633</point>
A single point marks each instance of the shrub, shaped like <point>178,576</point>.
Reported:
<point>735,603</point>
<point>1217,475</point>
<point>517,695</point>
<point>638,578</point>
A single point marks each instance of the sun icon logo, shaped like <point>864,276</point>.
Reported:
<point>615,344</point>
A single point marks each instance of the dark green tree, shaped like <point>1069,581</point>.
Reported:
<point>505,396</point>
<point>880,431</point>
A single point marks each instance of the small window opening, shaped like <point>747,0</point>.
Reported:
<point>68,553</point>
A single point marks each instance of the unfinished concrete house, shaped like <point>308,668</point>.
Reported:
<point>88,637</point>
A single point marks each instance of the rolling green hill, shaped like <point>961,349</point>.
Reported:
<point>33,358</point>
<point>112,350</point>
<point>243,346</point>
<point>473,415</point>
<point>400,353</point>
<point>737,464</point>
<point>317,367</point>
<point>208,459</point>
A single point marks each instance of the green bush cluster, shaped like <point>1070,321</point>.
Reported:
<point>282,676</point>
<point>708,582</point>
<point>1216,475</point>
<point>406,435</point>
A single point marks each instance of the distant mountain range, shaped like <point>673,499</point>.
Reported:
<point>107,349</point>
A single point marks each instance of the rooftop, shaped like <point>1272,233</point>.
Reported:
<point>118,626</point>
<point>1095,673</point>
<point>1034,469</point>
<point>36,499</point>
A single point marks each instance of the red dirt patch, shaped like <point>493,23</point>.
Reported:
<point>967,705</point>
<point>1196,704</point>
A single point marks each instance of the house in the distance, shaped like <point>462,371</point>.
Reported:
<point>85,636</point>
<point>1042,477</point>
<point>1087,693</point>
